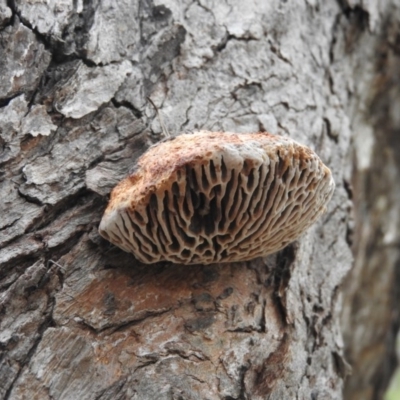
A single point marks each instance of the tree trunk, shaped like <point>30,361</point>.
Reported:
<point>81,319</point>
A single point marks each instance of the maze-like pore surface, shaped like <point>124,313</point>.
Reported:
<point>228,200</point>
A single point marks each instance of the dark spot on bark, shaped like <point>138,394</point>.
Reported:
<point>199,324</point>
<point>343,369</point>
<point>314,394</point>
<point>203,302</point>
<point>161,13</point>
<point>169,48</point>
<point>109,303</point>
<point>226,293</point>
<point>282,274</point>
<point>210,275</point>
<point>329,131</point>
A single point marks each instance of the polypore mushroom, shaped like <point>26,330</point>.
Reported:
<point>212,197</point>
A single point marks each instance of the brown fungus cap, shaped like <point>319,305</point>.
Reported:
<point>212,197</point>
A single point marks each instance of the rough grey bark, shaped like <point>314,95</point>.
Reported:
<point>81,319</point>
<point>371,312</point>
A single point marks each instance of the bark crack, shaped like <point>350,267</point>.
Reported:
<point>47,323</point>
<point>113,328</point>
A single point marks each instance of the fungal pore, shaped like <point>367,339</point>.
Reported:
<point>212,197</point>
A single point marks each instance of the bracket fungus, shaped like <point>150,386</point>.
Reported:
<point>212,197</point>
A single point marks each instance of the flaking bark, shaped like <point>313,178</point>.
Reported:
<point>81,319</point>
